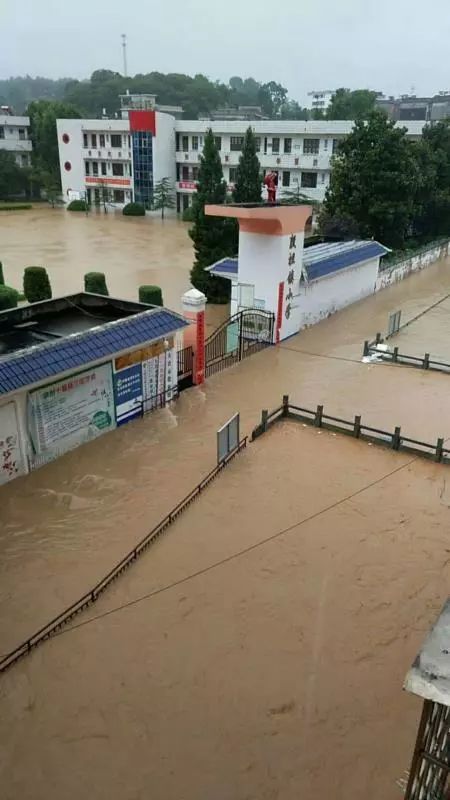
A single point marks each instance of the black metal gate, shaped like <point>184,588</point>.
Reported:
<point>429,778</point>
<point>240,336</point>
<point>185,362</point>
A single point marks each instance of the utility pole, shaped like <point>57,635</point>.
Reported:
<point>124,49</point>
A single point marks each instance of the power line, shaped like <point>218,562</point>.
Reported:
<point>236,555</point>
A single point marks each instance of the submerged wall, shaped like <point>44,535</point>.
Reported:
<point>415,263</point>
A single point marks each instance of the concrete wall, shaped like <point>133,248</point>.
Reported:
<point>324,297</point>
<point>401,270</point>
<point>164,148</point>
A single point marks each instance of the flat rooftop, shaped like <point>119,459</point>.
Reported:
<point>41,340</point>
<point>49,320</point>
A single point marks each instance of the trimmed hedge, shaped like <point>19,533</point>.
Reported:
<point>152,295</point>
<point>95,282</point>
<point>15,206</point>
<point>8,297</point>
<point>76,205</point>
<point>36,284</point>
<point>188,214</point>
<point>134,210</point>
<point>2,279</point>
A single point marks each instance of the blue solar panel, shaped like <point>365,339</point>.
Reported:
<point>49,359</point>
<point>318,269</point>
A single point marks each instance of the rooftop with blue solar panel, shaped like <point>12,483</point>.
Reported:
<point>41,340</point>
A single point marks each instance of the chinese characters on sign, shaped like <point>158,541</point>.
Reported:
<point>11,464</point>
<point>72,410</point>
<point>128,393</point>
<point>291,274</point>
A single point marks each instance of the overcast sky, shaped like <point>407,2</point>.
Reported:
<point>387,45</point>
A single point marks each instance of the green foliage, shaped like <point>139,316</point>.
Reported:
<point>13,179</point>
<point>188,214</point>
<point>347,104</point>
<point>296,197</point>
<point>43,115</point>
<point>247,188</point>
<point>213,237</point>
<point>8,297</point>
<point>95,282</point>
<point>76,205</point>
<point>2,277</point>
<point>15,206</point>
<point>36,284</point>
<point>433,199</point>
<point>374,182</point>
<point>152,295</point>
<point>163,196</point>
<point>20,92</point>
<point>134,210</point>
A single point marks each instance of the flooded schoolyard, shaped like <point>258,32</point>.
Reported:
<point>277,673</point>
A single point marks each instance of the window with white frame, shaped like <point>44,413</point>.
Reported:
<point>311,146</point>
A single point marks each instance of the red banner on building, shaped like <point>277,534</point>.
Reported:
<point>280,310</point>
<point>142,121</point>
<point>200,349</point>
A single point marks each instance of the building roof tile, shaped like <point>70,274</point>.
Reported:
<point>49,359</point>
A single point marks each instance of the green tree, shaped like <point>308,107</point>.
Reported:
<point>292,110</point>
<point>433,200</point>
<point>213,237</point>
<point>43,115</point>
<point>163,196</point>
<point>296,196</point>
<point>347,104</point>
<point>374,181</point>
<point>247,188</point>
<point>13,179</point>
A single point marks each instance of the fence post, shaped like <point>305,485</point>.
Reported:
<point>264,422</point>
<point>318,417</point>
<point>285,405</point>
<point>439,449</point>
<point>357,426</point>
<point>396,439</point>
<point>395,355</point>
<point>366,348</point>
<point>378,338</point>
<point>426,361</point>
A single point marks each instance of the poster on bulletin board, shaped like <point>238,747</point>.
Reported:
<point>128,394</point>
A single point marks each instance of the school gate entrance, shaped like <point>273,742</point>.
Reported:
<point>243,334</point>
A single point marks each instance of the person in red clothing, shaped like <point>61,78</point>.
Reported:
<point>270,181</point>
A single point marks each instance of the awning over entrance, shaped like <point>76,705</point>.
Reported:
<point>225,268</point>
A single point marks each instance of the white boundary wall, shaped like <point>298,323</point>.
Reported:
<point>415,263</point>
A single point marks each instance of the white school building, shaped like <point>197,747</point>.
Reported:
<point>126,157</point>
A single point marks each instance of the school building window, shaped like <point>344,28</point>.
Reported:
<point>311,146</point>
<point>236,142</point>
<point>195,142</point>
<point>218,142</point>
<point>185,143</point>
<point>103,167</point>
<point>116,140</point>
<point>94,140</point>
<point>275,145</point>
<point>309,180</point>
<point>233,174</point>
<point>288,145</point>
<point>286,178</point>
<point>117,169</point>
<point>102,139</point>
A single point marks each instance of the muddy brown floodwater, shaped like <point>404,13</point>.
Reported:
<point>277,672</point>
<point>130,251</point>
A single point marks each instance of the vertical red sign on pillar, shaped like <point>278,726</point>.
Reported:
<point>279,310</point>
<point>200,350</point>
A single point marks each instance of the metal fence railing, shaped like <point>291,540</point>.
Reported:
<point>93,594</point>
<point>395,439</point>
